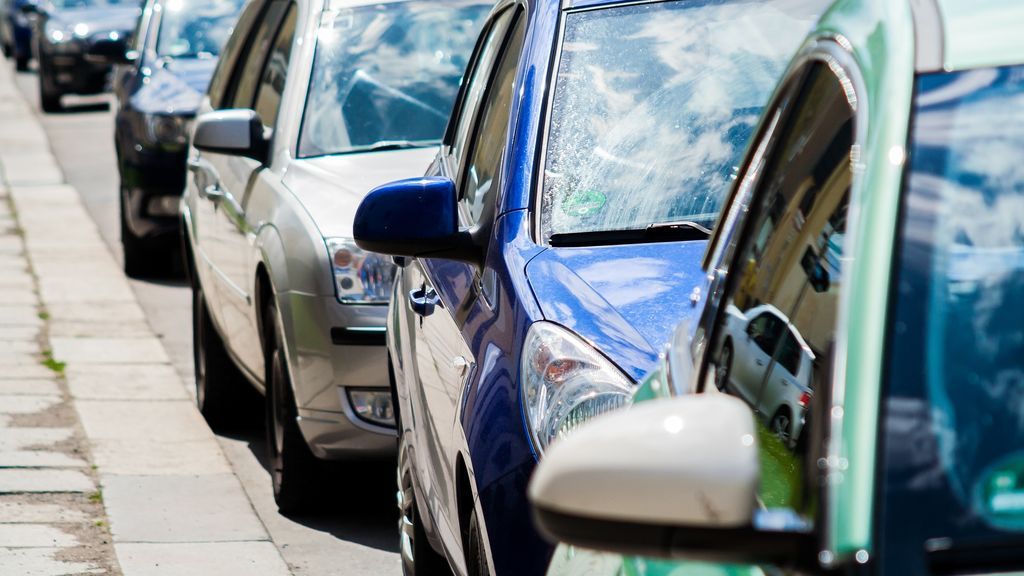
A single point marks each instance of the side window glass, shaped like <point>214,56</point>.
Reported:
<point>480,176</point>
<point>788,263</point>
<point>229,56</point>
<point>251,63</point>
<point>476,82</point>
<point>271,87</point>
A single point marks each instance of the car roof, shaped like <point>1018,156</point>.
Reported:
<point>981,33</point>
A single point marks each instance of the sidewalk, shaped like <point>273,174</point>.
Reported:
<point>106,467</point>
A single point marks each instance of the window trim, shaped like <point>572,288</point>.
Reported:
<point>231,90</point>
<point>290,8</point>
<point>820,50</point>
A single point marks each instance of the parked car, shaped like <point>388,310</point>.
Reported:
<point>160,81</point>
<point>64,31</point>
<point>554,241</point>
<point>16,31</point>
<point>767,363</point>
<point>892,147</point>
<point>291,136</point>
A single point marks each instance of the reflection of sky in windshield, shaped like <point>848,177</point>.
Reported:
<point>654,105</point>
<point>196,28</point>
<point>387,73</point>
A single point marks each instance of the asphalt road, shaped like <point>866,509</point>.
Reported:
<point>356,531</point>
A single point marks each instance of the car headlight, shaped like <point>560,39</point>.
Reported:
<point>360,277</point>
<point>565,382</point>
<point>59,33</point>
<point>166,131</point>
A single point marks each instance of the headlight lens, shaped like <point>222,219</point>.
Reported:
<point>166,130</point>
<point>566,383</point>
<point>373,406</point>
<point>359,277</point>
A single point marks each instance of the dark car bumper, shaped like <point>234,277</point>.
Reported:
<point>66,70</point>
<point>151,184</point>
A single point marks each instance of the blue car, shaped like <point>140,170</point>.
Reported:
<point>554,243</point>
<point>16,31</point>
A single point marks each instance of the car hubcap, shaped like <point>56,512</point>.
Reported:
<point>722,375</point>
<point>407,518</point>
<point>782,426</point>
<point>280,412</point>
<point>200,347</point>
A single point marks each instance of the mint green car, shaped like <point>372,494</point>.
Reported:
<point>879,213</point>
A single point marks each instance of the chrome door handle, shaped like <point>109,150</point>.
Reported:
<point>460,364</point>
<point>213,192</point>
<point>424,300</point>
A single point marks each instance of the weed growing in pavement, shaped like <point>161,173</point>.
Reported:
<point>55,365</point>
<point>96,497</point>
<point>44,315</point>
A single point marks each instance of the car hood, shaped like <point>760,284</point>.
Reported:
<point>331,187</point>
<point>175,86</point>
<point>101,19</point>
<point>625,300</point>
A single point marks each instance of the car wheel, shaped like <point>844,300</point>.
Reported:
<point>139,259</point>
<point>21,63</point>
<point>217,378</point>
<point>418,556</point>
<point>724,367</point>
<point>476,555</point>
<point>8,50</point>
<point>293,466</point>
<point>49,96</point>
<point>781,423</point>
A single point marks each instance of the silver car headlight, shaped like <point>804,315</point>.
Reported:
<point>565,382</point>
<point>360,277</point>
<point>167,130</point>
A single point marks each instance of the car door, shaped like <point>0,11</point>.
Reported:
<point>754,350</point>
<point>226,178</point>
<point>798,192</point>
<point>237,259</point>
<point>444,351</point>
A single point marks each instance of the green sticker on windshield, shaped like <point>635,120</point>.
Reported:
<point>583,203</point>
<point>1002,493</point>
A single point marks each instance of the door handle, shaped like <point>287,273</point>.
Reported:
<point>213,193</point>
<point>424,300</point>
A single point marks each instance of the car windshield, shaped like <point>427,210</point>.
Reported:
<point>73,4</point>
<point>196,28</point>
<point>653,107</point>
<point>953,491</point>
<point>386,75</point>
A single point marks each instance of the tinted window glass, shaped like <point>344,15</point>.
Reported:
<point>798,208</point>
<point>248,77</point>
<point>481,173</point>
<point>387,74</point>
<point>235,45</point>
<point>272,86</point>
<point>653,107</point>
<point>196,28</point>
<point>954,398</point>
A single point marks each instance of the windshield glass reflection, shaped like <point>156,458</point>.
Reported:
<point>196,28</point>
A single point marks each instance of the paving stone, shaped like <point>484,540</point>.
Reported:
<point>22,371</point>
<point>38,513</point>
<point>10,296</point>
<point>27,346</point>
<point>38,459</point>
<point>124,382</point>
<point>89,329</point>
<point>27,404</point>
<point>218,559</point>
<point>109,350</point>
<point>42,562</point>
<point>16,439</point>
<point>34,536</point>
<point>205,508</point>
<point>17,480</point>
<point>26,315</point>
<point>28,387</point>
<point>96,311</point>
<point>73,290</point>
<point>19,359</point>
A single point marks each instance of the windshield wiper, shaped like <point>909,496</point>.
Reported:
<point>384,145</point>
<point>679,231</point>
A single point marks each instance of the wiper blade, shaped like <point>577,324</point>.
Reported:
<point>392,145</point>
<point>682,230</point>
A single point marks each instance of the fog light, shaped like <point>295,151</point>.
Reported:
<point>163,205</point>
<point>373,406</point>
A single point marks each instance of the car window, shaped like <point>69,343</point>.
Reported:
<point>653,106</point>
<point>195,28</point>
<point>268,100</point>
<point>385,75</point>
<point>764,331</point>
<point>480,175</point>
<point>799,204</point>
<point>473,88</point>
<point>251,63</point>
<point>952,472</point>
<point>235,46</point>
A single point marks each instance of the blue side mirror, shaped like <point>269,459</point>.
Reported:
<point>415,217</point>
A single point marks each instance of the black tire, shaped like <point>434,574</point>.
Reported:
<point>724,367</point>
<point>293,467</point>
<point>418,557</point>
<point>218,381</point>
<point>476,555</point>
<point>782,423</point>
<point>8,50</point>
<point>49,95</point>
<point>21,63</point>
<point>140,261</point>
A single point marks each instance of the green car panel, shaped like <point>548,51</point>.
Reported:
<point>879,36</point>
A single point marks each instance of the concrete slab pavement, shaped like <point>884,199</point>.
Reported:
<point>119,443</point>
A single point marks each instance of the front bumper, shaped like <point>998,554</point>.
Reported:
<point>152,182</point>
<point>65,68</point>
<point>339,349</point>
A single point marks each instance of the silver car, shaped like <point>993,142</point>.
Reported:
<point>313,104</point>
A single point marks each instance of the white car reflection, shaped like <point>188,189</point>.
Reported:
<point>764,361</point>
